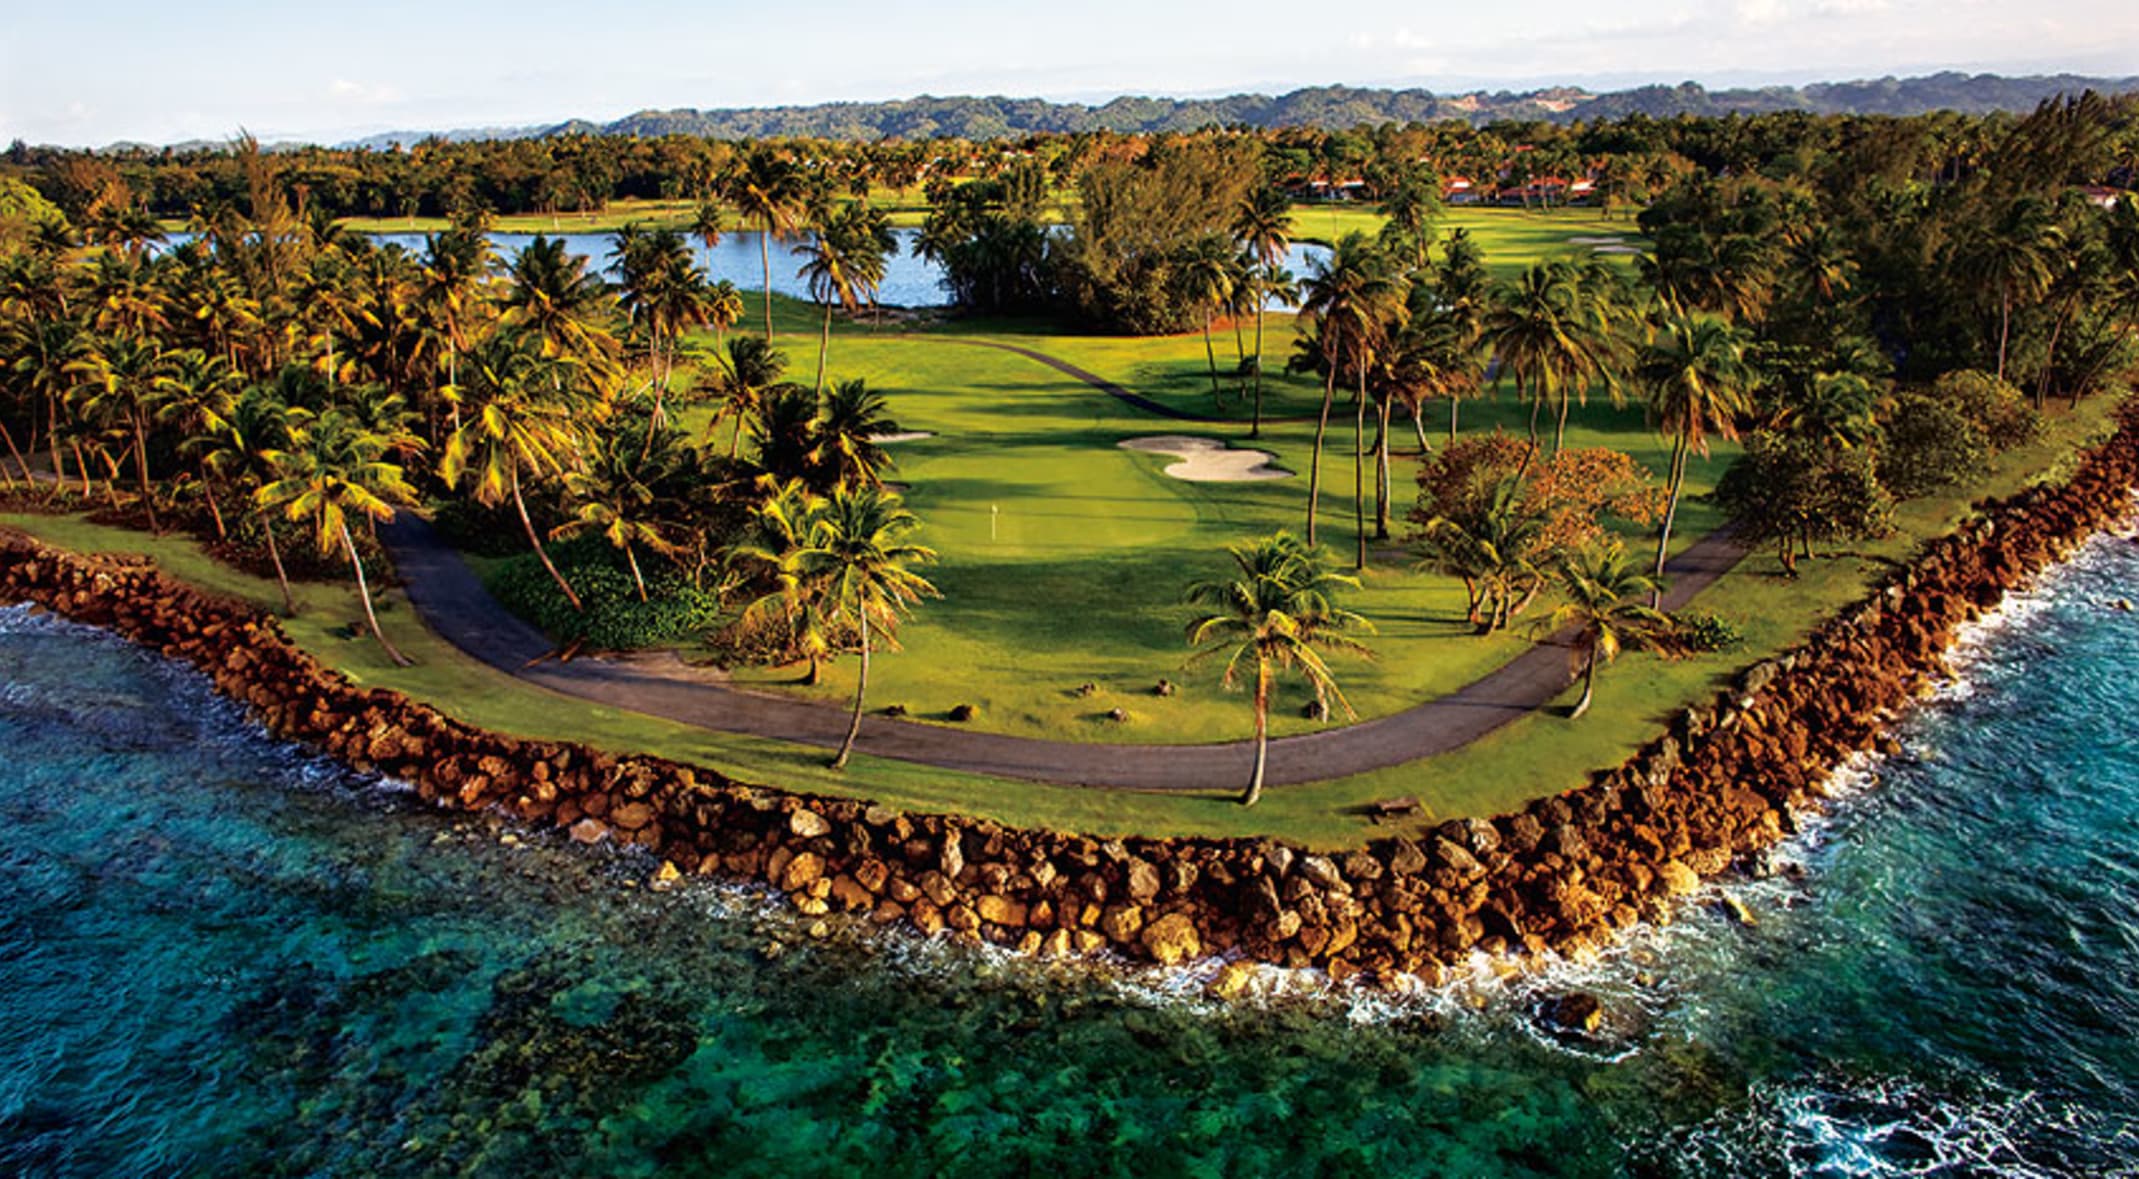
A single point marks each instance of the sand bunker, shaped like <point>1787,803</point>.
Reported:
<point>1207,460</point>
<point>901,436</point>
<point>1595,241</point>
<point>1616,250</point>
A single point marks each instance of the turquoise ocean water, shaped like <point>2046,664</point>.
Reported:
<point>220,956</point>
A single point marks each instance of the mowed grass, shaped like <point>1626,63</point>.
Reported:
<point>1064,558</point>
<point>1539,755</point>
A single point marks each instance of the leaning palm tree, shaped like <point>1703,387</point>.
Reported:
<point>332,469</point>
<point>1604,591</point>
<point>523,415</point>
<point>1276,613</point>
<point>195,391</point>
<point>768,189</point>
<point>242,449</point>
<point>1697,378</point>
<point>856,549</point>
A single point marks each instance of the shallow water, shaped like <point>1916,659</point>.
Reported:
<point>223,956</point>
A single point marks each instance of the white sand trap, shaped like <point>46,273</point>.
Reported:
<point>1207,460</point>
<point>1596,241</point>
<point>901,436</point>
<point>1616,250</point>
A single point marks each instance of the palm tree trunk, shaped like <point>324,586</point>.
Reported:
<point>1671,507</point>
<point>29,481</point>
<point>364,594</point>
<point>1314,465</point>
<point>1453,402</point>
<point>1381,472</point>
<point>1589,687</point>
<point>1256,429</point>
<point>1210,357</point>
<point>2049,364</point>
<point>521,506</point>
<point>824,345</point>
<point>765,255</point>
<point>861,688</point>
<point>215,510</point>
<point>282,576</point>
<point>81,463</point>
<point>1418,426</point>
<point>637,578</point>
<point>141,468</point>
<point>809,678</point>
<point>1359,469</point>
<point>1559,429</point>
<point>1262,736</point>
<point>2005,328</point>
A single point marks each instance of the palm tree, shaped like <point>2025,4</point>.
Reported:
<point>1351,298</point>
<point>856,548</point>
<point>118,375</point>
<point>765,187</point>
<point>708,224</point>
<point>1697,378</point>
<point>1491,552</point>
<point>1207,279</point>
<point>747,374</point>
<point>241,448</point>
<point>1412,208</point>
<point>456,264</point>
<point>195,390</point>
<point>793,610</point>
<point>550,291</point>
<point>1263,226</point>
<point>333,468</point>
<point>1540,334</point>
<point>616,501</point>
<point>844,264</point>
<point>526,413</point>
<point>851,417</point>
<point>724,308</point>
<point>1604,591</point>
<point>2013,259</point>
<point>1277,613</point>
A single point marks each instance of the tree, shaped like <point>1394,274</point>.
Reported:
<point>1538,331</point>
<point>550,292</point>
<point>1207,280</point>
<point>1697,377</point>
<point>1263,226</point>
<point>524,416</point>
<point>118,375</point>
<point>241,448</point>
<point>2013,259</point>
<point>746,376</point>
<point>195,391</point>
<point>615,497</point>
<point>1276,613</point>
<point>856,548</point>
<point>765,187</point>
<point>1603,589</point>
<point>1351,299</point>
<point>1793,491</point>
<point>844,264</point>
<point>332,469</point>
<point>851,417</point>
<point>1928,445</point>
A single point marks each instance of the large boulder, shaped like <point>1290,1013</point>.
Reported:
<point>1172,939</point>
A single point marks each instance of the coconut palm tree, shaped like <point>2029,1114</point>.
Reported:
<point>523,416</point>
<point>1276,613</point>
<point>118,383</point>
<point>793,612</point>
<point>768,189</point>
<point>1604,589</point>
<point>1697,377</point>
<point>1206,280</point>
<point>747,374</point>
<point>724,308</point>
<point>195,390</point>
<point>856,548</point>
<point>1263,226</point>
<point>1538,331</point>
<point>241,447</point>
<point>1351,298</point>
<point>851,417</point>
<point>1492,551</point>
<point>550,291</point>
<point>844,264</point>
<point>456,266</point>
<point>614,499</point>
<point>333,468</point>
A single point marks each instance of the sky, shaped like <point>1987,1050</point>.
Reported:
<point>93,74</point>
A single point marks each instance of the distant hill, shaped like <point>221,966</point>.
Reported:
<point>997,117</point>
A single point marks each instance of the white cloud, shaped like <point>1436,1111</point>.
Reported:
<point>344,90</point>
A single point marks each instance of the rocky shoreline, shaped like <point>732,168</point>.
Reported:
<point>1726,781</point>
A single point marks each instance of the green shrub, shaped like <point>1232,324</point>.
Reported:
<point>1998,407</point>
<point>614,619</point>
<point>1930,445</point>
<point>1702,632</point>
<point>473,528</point>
